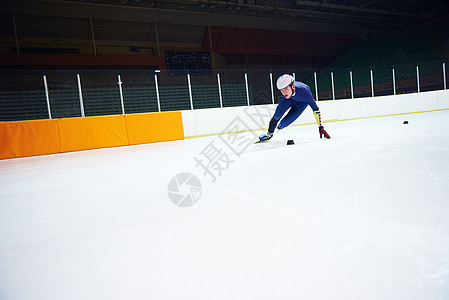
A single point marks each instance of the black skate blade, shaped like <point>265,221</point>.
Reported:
<point>257,142</point>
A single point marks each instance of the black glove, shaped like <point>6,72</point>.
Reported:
<point>323,132</point>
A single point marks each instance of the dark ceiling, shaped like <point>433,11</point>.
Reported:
<point>242,31</point>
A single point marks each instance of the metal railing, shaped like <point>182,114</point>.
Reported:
<point>33,94</point>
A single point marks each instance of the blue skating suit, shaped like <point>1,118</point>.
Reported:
<point>297,104</point>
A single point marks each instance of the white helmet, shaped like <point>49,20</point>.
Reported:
<point>284,81</point>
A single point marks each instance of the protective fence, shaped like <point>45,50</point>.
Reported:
<point>32,94</point>
<point>69,110</point>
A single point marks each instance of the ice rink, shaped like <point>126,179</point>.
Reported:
<point>364,215</point>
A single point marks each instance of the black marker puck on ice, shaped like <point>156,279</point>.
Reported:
<point>405,122</point>
<point>290,142</point>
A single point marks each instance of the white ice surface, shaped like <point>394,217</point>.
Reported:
<point>364,215</point>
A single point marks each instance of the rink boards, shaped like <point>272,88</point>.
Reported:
<point>40,137</point>
<point>246,118</point>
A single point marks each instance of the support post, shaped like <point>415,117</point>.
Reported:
<point>444,75</point>
<point>47,97</point>
<point>80,95</point>
<point>219,90</point>
<point>417,79</point>
<point>271,85</point>
<point>91,23</point>
<point>157,40</point>
<point>15,33</point>
<point>394,82</point>
<point>247,89</point>
<point>333,87</point>
<point>352,85</point>
<point>190,91</point>
<point>157,90</point>
<point>121,94</point>
<point>213,61</point>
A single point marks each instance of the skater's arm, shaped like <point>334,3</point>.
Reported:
<point>279,112</point>
<point>272,125</point>
<point>317,117</point>
<point>320,126</point>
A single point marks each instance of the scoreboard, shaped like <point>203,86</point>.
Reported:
<point>192,61</point>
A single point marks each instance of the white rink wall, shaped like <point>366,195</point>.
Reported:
<point>213,121</point>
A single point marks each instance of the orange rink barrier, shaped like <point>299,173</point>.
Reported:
<point>28,138</point>
<point>150,128</point>
<point>39,137</point>
<point>92,132</point>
